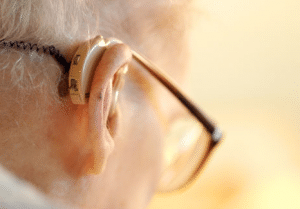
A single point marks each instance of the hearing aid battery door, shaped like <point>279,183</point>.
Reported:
<point>82,69</point>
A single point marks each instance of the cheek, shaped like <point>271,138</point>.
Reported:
<point>137,155</point>
<point>144,140</point>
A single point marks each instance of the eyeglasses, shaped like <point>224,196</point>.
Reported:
<point>189,136</point>
<point>189,139</point>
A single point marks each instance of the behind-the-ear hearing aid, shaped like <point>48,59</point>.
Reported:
<point>83,66</point>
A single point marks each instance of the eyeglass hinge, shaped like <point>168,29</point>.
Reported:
<point>217,135</point>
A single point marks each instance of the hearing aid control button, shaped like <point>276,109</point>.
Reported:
<point>76,59</point>
<point>74,85</point>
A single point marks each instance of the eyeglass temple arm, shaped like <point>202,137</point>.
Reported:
<point>168,82</point>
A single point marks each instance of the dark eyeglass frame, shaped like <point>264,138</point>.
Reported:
<point>214,131</point>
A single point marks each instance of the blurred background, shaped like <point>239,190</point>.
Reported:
<point>245,61</point>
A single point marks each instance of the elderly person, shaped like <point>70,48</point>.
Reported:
<point>115,148</point>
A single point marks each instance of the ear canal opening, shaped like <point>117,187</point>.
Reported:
<point>113,122</point>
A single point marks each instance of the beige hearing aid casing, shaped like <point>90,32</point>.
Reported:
<point>83,67</point>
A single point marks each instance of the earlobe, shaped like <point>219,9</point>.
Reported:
<point>91,154</point>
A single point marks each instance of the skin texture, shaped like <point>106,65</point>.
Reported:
<point>73,156</point>
<point>81,155</point>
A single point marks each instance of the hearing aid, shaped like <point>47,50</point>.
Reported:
<point>83,66</point>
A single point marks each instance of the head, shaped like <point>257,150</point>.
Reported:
<point>85,155</point>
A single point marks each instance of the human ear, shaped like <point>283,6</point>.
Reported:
<point>88,142</point>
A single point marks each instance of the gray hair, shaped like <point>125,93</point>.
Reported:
<point>30,77</point>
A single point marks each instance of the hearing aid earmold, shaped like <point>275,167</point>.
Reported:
<point>83,66</point>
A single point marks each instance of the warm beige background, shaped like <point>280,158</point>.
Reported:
<point>246,74</point>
